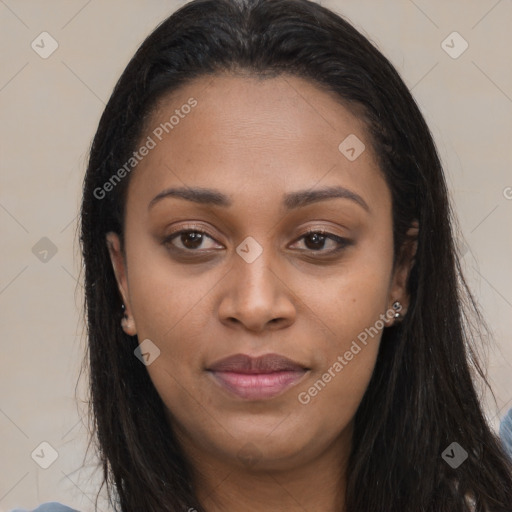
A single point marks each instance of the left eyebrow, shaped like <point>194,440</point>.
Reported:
<point>291,200</point>
<point>306,197</point>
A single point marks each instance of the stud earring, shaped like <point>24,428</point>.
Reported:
<point>397,307</point>
<point>127,323</point>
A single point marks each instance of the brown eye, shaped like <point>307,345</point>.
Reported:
<point>190,240</point>
<point>317,241</point>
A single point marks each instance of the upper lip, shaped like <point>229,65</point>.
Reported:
<point>268,363</point>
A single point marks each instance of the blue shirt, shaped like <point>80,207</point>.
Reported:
<point>52,506</point>
<point>506,432</point>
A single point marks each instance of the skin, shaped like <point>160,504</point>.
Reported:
<point>255,140</point>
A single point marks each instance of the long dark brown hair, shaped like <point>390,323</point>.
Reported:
<point>421,397</point>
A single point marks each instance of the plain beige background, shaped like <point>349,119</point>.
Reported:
<point>50,109</point>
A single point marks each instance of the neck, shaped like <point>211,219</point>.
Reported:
<point>315,484</point>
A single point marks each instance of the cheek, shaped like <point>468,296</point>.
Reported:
<point>350,300</point>
<point>350,309</point>
<point>353,317</point>
<point>166,297</point>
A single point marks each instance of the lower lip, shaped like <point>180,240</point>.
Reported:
<point>258,386</point>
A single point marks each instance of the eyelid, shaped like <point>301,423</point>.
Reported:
<point>192,227</point>
<point>321,229</point>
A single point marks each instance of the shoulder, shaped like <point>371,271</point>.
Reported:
<point>506,432</point>
<point>506,422</point>
<point>506,426</point>
<point>48,507</point>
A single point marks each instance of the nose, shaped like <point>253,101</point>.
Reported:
<point>256,296</point>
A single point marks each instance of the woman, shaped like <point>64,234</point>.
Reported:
<point>276,312</point>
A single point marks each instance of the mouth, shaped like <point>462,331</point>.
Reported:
<point>257,378</point>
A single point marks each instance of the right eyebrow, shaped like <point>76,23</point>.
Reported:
<point>195,194</point>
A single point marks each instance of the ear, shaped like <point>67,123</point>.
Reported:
<point>119,267</point>
<point>404,264</point>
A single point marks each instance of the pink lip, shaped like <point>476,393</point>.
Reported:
<point>257,378</point>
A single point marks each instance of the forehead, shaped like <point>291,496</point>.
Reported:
<point>251,136</point>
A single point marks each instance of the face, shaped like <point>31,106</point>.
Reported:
<point>254,231</point>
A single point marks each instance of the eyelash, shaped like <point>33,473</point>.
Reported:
<point>343,243</point>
